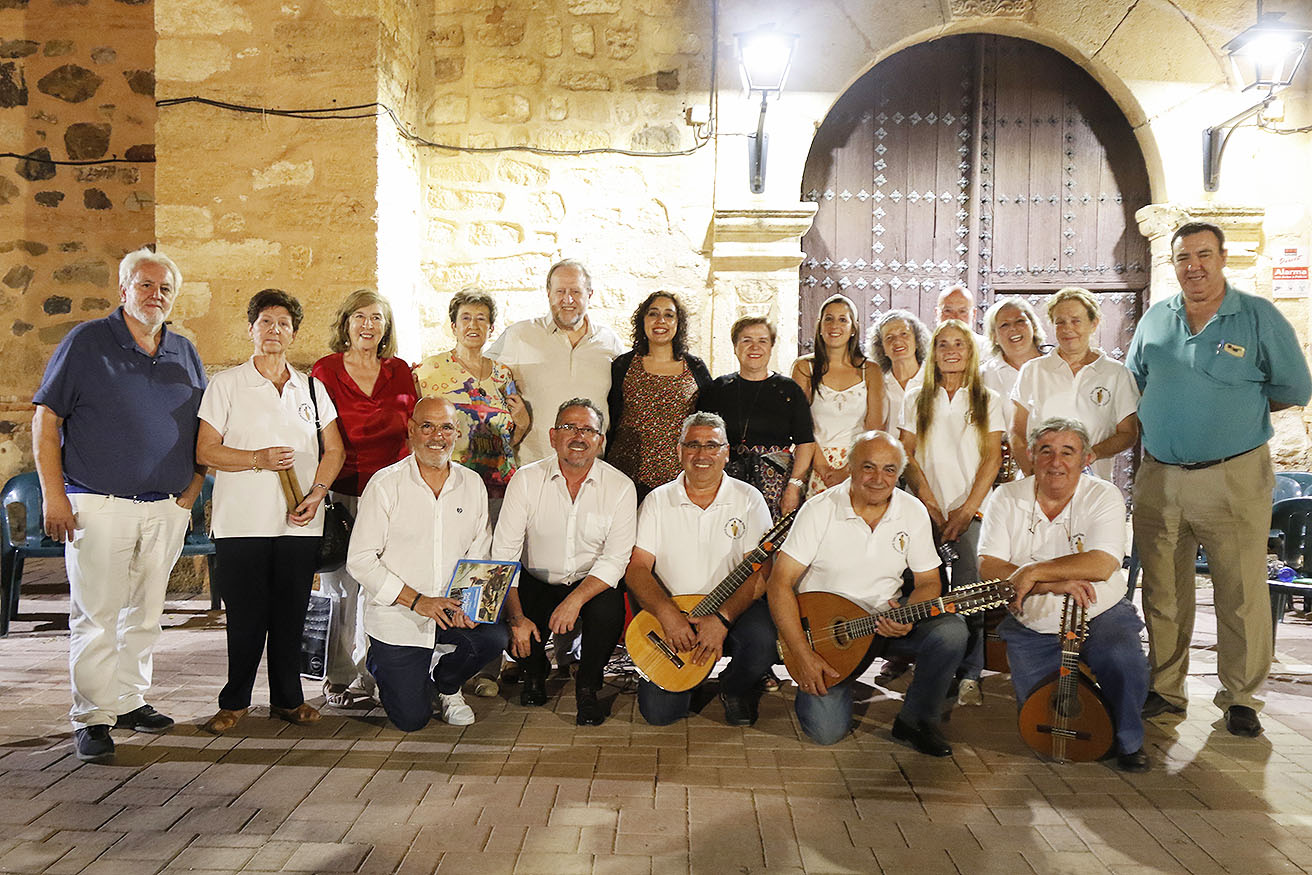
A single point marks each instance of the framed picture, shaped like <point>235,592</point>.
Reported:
<point>482,586</point>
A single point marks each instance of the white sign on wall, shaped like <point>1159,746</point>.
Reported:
<point>1289,274</point>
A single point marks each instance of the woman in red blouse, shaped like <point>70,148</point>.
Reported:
<point>374,395</point>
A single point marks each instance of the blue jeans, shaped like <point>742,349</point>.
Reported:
<point>937,644</point>
<point>965,572</point>
<point>405,686</point>
<point>1112,650</point>
<point>751,643</point>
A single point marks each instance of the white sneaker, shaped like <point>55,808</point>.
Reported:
<point>454,709</point>
<point>969,693</point>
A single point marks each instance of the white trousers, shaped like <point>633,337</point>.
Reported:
<point>118,569</point>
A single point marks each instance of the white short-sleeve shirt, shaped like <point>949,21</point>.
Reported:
<point>249,413</point>
<point>999,376</point>
<point>1016,530</point>
<point>894,395</point>
<point>563,540</point>
<point>551,371</point>
<point>1099,396</point>
<point>695,549</point>
<point>844,556</point>
<point>406,536</point>
<point>950,457</point>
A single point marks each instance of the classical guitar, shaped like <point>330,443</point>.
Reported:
<point>673,670</point>
<point>1066,718</point>
<point>843,633</point>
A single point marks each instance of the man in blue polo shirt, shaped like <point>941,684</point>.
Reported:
<point>1211,363</point>
<point>114,435</point>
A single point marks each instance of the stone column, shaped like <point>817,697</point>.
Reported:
<point>755,254</point>
<point>1248,268</point>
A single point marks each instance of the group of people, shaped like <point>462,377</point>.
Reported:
<point>604,471</point>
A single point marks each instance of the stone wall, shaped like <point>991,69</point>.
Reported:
<point>67,93</point>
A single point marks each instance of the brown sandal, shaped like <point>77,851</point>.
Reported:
<point>338,695</point>
<point>223,721</point>
<point>299,716</point>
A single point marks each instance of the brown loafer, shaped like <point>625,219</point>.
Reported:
<point>223,721</point>
<point>300,715</point>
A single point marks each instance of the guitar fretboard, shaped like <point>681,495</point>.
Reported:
<point>743,570</point>
<point>982,596</point>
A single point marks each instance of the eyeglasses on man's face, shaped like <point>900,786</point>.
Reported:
<point>699,447</point>
<point>570,430</point>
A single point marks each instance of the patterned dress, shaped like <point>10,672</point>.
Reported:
<point>486,428</point>
<point>645,438</point>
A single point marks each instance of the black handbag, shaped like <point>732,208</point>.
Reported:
<point>337,520</point>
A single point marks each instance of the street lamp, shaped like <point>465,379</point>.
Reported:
<point>1266,55</point>
<point>764,57</point>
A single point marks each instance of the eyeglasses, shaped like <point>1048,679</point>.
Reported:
<point>428,428</point>
<point>698,446</point>
<point>570,430</point>
<point>371,318</point>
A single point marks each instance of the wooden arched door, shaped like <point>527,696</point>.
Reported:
<point>980,159</point>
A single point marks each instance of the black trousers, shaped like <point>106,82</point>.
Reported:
<point>601,619</point>
<point>265,583</point>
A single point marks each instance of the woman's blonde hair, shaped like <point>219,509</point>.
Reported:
<point>340,341</point>
<point>971,383</point>
<point>1027,310</point>
<point>1075,293</point>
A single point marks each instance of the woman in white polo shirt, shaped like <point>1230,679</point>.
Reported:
<point>257,420</point>
<point>1077,381</point>
<point>952,430</point>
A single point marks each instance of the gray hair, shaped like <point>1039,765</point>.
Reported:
<point>703,418</point>
<point>875,339</point>
<point>582,402</point>
<point>577,265</point>
<point>876,434</point>
<point>1060,423</point>
<point>1026,309</point>
<point>955,287</point>
<point>128,266</point>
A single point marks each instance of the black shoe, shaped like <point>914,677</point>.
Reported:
<point>1242,720</point>
<point>590,710</point>
<point>1133,762</point>
<point>1156,705</point>
<point>534,692</point>
<point>143,719</point>
<point>93,744</point>
<point>924,737</point>
<point>738,710</point>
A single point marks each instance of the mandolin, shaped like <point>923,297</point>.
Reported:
<point>1066,718</point>
<point>843,633</point>
<point>673,670</point>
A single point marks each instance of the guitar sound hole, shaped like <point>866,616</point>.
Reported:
<point>839,630</point>
<point>1068,707</point>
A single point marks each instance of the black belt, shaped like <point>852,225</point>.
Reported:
<point>1198,466</point>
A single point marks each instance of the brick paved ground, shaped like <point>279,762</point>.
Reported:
<point>527,791</point>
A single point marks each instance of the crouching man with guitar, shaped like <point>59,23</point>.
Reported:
<point>1058,534</point>
<point>855,540</point>
<point>701,529</point>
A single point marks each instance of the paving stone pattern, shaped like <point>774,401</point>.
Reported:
<point>526,791</point>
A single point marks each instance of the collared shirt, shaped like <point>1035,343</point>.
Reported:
<point>550,371</point>
<point>695,549</point>
<point>1000,376</point>
<point>1016,530</point>
<point>1207,395</point>
<point>844,556</point>
<point>406,536</point>
<point>249,413</point>
<point>950,456</point>
<point>895,395</point>
<point>129,417</point>
<point>563,540</point>
<point>1099,396</point>
<point>373,426</point>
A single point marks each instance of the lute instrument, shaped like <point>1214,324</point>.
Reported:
<point>656,658</point>
<point>1066,718</point>
<point>843,633</point>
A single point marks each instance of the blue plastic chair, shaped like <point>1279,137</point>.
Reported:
<point>1286,487</point>
<point>1302,478</point>
<point>1292,518</point>
<point>25,489</point>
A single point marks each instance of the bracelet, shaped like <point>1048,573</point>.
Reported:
<point>793,481</point>
<point>255,460</point>
<point>418,596</point>
<point>724,620</point>
<point>318,486</point>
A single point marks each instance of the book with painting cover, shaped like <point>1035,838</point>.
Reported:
<point>482,586</point>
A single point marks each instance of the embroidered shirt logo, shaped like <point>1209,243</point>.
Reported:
<point>1100,396</point>
<point>306,411</point>
<point>900,542</point>
<point>734,528</point>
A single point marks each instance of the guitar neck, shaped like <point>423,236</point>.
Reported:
<point>980,596</point>
<point>727,587</point>
<point>865,626</point>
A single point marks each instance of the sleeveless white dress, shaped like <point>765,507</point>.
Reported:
<point>838,417</point>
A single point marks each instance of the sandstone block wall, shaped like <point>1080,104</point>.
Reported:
<point>76,84</point>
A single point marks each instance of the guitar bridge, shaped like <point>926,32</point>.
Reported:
<point>659,644</point>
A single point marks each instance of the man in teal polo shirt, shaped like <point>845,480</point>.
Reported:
<point>1212,363</point>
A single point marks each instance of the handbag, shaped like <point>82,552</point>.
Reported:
<point>337,520</point>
